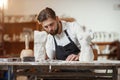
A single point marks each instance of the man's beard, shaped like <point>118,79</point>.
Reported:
<point>55,32</point>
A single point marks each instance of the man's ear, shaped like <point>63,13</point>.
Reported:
<point>39,26</point>
<point>57,18</point>
<point>39,22</point>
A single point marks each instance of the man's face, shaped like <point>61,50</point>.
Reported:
<point>51,26</point>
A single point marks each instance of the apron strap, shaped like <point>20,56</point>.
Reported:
<point>55,42</point>
<point>68,36</point>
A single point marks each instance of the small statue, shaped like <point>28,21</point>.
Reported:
<point>26,52</point>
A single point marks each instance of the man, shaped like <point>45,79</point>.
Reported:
<point>66,40</point>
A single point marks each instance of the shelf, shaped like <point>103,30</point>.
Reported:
<point>103,54</point>
<point>33,22</point>
<point>104,43</point>
<point>16,47</point>
<point>114,48</point>
<point>16,41</point>
<point>16,29</point>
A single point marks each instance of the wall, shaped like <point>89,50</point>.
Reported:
<point>98,15</point>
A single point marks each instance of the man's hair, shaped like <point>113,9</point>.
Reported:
<point>45,14</point>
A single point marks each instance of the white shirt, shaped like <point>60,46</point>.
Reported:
<point>76,33</point>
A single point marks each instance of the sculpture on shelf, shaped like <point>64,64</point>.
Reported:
<point>27,53</point>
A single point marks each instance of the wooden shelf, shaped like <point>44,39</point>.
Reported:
<point>16,41</point>
<point>22,23</point>
<point>15,47</point>
<point>104,43</point>
<point>103,54</point>
<point>17,28</point>
<point>115,54</point>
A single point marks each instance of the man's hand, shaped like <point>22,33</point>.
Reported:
<point>72,57</point>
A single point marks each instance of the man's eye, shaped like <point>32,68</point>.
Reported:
<point>51,24</point>
<point>45,26</point>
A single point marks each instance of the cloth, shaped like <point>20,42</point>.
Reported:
<point>78,36</point>
<point>39,45</point>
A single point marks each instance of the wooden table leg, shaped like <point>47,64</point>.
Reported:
<point>115,73</point>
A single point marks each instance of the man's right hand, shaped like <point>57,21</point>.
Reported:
<point>72,57</point>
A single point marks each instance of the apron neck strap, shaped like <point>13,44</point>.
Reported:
<point>68,35</point>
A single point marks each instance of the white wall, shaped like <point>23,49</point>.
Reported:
<point>98,15</point>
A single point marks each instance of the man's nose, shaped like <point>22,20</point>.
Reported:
<point>49,28</point>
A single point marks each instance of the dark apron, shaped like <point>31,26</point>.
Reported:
<point>62,52</point>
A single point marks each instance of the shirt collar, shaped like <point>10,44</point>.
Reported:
<point>64,25</point>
